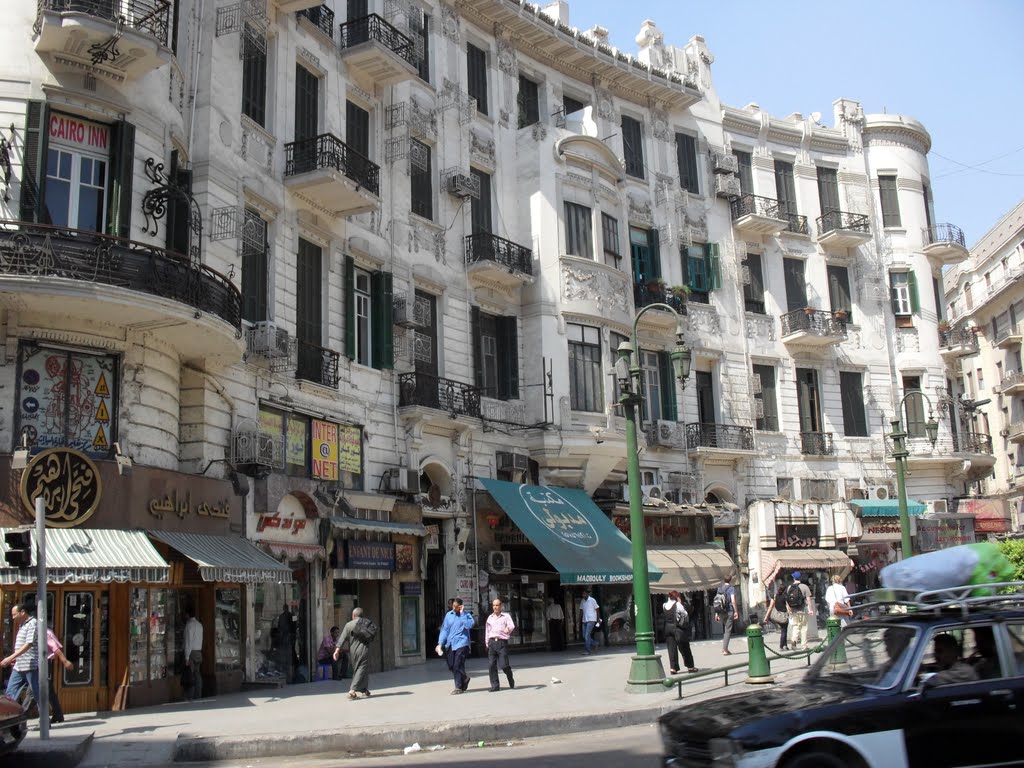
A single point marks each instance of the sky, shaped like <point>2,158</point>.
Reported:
<point>958,67</point>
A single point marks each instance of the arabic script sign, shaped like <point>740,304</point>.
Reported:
<point>559,515</point>
<point>796,536</point>
<point>180,504</point>
<point>67,481</point>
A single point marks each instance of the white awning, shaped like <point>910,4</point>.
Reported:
<point>831,560</point>
<point>92,555</point>
<point>690,568</point>
<point>226,558</point>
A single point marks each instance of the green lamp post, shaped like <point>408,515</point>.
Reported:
<point>645,672</point>
<point>900,454</point>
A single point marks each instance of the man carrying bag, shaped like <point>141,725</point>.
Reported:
<point>677,633</point>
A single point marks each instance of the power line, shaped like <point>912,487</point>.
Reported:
<point>966,167</point>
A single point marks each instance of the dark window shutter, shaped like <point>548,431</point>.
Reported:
<point>796,285</point>
<point>122,171</point>
<point>804,384</point>
<point>179,210</point>
<point>33,168</point>
<point>307,103</point>
<point>350,308</point>
<point>382,316</point>
<point>357,128</point>
<point>915,303</point>
<point>478,362</point>
<point>668,387</point>
<point>684,257</point>
<point>655,241</point>
<point>508,372</point>
<point>714,266</point>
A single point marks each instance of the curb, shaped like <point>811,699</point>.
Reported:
<point>60,752</point>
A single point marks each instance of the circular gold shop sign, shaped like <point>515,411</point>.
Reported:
<point>68,483</point>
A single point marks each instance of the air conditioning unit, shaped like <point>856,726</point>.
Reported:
<point>938,507</point>
<point>402,480</point>
<point>724,162</point>
<point>404,312</point>
<point>727,186</point>
<point>651,493</point>
<point>268,341</point>
<point>511,462</point>
<point>675,496</point>
<point>879,492</point>
<point>499,562</point>
<point>463,185</point>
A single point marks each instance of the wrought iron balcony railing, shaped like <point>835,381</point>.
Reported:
<point>1011,379</point>
<point>1008,330</point>
<point>484,246</point>
<point>797,223</point>
<point>725,436</point>
<point>149,16</point>
<point>813,320</point>
<point>373,27</point>
<point>328,151</point>
<point>643,295</point>
<point>944,233</point>
<point>37,250</point>
<point>320,17</point>
<point>833,220</point>
<point>427,391</point>
<point>817,444</point>
<point>972,442</point>
<point>958,337</point>
<point>317,364</point>
<point>756,205</point>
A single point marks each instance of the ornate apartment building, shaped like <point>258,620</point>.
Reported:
<point>292,278</point>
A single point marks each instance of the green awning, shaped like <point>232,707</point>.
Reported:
<point>887,507</point>
<point>567,527</point>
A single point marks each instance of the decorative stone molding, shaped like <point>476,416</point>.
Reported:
<point>450,23</point>
<point>581,282</point>
<point>311,58</point>
<point>907,340</point>
<point>660,126</point>
<point>664,185</point>
<point>539,132</point>
<point>704,322</point>
<point>640,209</point>
<point>605,103</point>
<point>697,222</point>
<point>507,61</point>
<point>257,145</point>
<point>481,148</point>
<point>760,327</point>
<point>895,137</point>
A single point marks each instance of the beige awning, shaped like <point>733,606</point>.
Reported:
<point>226,558</point>
<point>775,560</point>
<point>690,568</point>
<point>92,555</point>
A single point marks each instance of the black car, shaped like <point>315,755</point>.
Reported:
<point>939,685</point>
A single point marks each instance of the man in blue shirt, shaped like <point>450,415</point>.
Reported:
<point>455,638</point>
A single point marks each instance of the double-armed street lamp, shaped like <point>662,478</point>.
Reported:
<point>645,672</point>
<point>900,454</point>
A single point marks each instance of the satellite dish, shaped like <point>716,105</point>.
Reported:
<point>815,117</point>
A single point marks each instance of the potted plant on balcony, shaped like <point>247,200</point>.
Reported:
<point>943,326</point>
<point>809,311</point>
<point>841,315</point>
<point>656,288</point>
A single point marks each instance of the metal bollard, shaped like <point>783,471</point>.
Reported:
<point>758,669</point>
<point>832,630</point>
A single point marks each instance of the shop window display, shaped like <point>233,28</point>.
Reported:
<point>281,635</point>
<point>228,630</point>
<point>155,635</point>
<point>79,631</point>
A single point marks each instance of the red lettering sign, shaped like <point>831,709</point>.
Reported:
<point>76,132</point>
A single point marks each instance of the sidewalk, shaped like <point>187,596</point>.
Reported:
<point>407,706</point>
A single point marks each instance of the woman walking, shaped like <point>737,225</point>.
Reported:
<point>677,633</point>
<point>776,613</point>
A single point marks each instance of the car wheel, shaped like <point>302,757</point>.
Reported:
<point>821,758</point>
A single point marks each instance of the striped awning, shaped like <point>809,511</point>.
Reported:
<point>775,560</point>
<point>886,507</point>
<point>690,568</point>
<point>292,551</point>
<point>92,555</point>
<point>226,558</point>
<point>345,523</point>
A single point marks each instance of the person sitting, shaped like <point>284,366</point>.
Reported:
<point>951,669</point>
<point>897,640</point>
<point>985,658</point>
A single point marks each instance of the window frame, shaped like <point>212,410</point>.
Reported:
<point>851,395</point>
<point>769,422</point>
<point>686,160</point>
<point>254,81</point>
<point>255,279</point>
<point>889,200</point>
<point>633,146</point>
<point>528,102</point>
<point>754,288</point>
<point>586,390</point>
<point>476,76</point>
<point>421,184</point>
<point>579,235</point>
<point>611,236</point>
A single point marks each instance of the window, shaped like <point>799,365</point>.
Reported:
<point>818,489</point>
<point>496,355</point>
<point>686,157</point>
<point>753,286</point>
<point>981,380</point>
<point>68,399</point>
<point>903,288</point>
<point>851,390</point>
<point>796,284</point>
<point>766,409</point>
<point>828,190</point>
<point>368,317</point>
<point>578,237</point>
<point>317,449</point>
<point>254,79</point>
<point>702,271</point>
<point>645,255</point>
<point>584,368</point>
<point>421,181</point>
<point>839,290</point>
<point>309,313</point>
<point>476,69</point>
<point>937,298</point>
<point>913,407</point>
<point>808,400</point>
<point>633,146</point>
<point>785,187</point>
<point>659,386</point>
<point>745,172</point>
<point>610,240</point>
<point>784,487</point>
<point>307,100</point>
<point>357,128</point>
<point>480,207</point>
<point>570,105</point>
<point>968,299</point>
<point>255,267</point>
<point>529,102</point>
<point>419,25</point>
<point>890,201</point>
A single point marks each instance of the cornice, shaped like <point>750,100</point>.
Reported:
<point>894,130</point>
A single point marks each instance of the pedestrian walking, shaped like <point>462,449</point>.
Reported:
<point>193,678</point>
<point>838,601</point>
<point>24,658</point>
<point>498,629</point>
<point>358,633</point>
<point>588,617</point>
<point>677,633</point>
<point>55,655</point>
<point>726,611</point>
<point>454,638</point>
<point>556,625</point>
<point>776,613</point>
<point>800,608</point>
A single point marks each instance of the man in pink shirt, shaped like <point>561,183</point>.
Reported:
<point>499,628</point>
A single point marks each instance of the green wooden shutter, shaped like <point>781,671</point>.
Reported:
<point>382,352</point>
<point>476,341</point>
<point>713,266</point>
<point>668,387</point>
<point>915,304</point>
<point>122,171</point>
<point>33,167</point>
<point>350,308</point>
<point>655,242</point>
<point>508,371</point>
<point>684,258</point>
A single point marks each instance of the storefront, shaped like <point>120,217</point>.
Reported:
<point>880,542</point>
<point>943,531</point>
<point>991,516</point>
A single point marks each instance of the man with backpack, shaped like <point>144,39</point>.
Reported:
<point>358,633</point>
<point>677,633</point>
<point>726,611</point>
<point>800,608</point>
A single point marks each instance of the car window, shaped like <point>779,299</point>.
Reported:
<point>1015,632</point>
<point>955,655</point>
<point>868,654</point>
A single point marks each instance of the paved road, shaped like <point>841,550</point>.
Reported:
<point>635,747</point>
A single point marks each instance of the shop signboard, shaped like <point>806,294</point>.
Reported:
<point>410,588</point>
<point>881,529</point>
<point>370,554</point>
<point>943,531</point>
<point>325,450</point>
<point>796,536</point>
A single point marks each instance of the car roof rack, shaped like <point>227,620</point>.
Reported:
<point>963,597</point>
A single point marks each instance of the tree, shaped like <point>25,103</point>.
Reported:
<point>1013,550</point>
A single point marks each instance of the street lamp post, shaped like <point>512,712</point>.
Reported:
<point>645,672</point>
<point>900,454</point>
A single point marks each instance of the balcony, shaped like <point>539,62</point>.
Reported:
<point>490,258</point>
<point>955,343</point>
<point>321,17</point>
<point>326,172</point>
<point>817,444</point>
<point>317,365</point>
<point>838,230</point>
<point>721,440</point>
<point>812,327</point>
<point>422,391</point>
<point>945,243</point>
<point>655,293</point>
<point>119,39</point>
<point>1015,432</point>
<point>796,224</point>
<point>107,280</point>
<point>755,215</point>
<point>1010,337</point>
<point>294,6</point>
<point>376,54</point>
<point>1012,384</point>
<point>972,442</point>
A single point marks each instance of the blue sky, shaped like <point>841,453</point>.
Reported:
<point>958,67</point>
